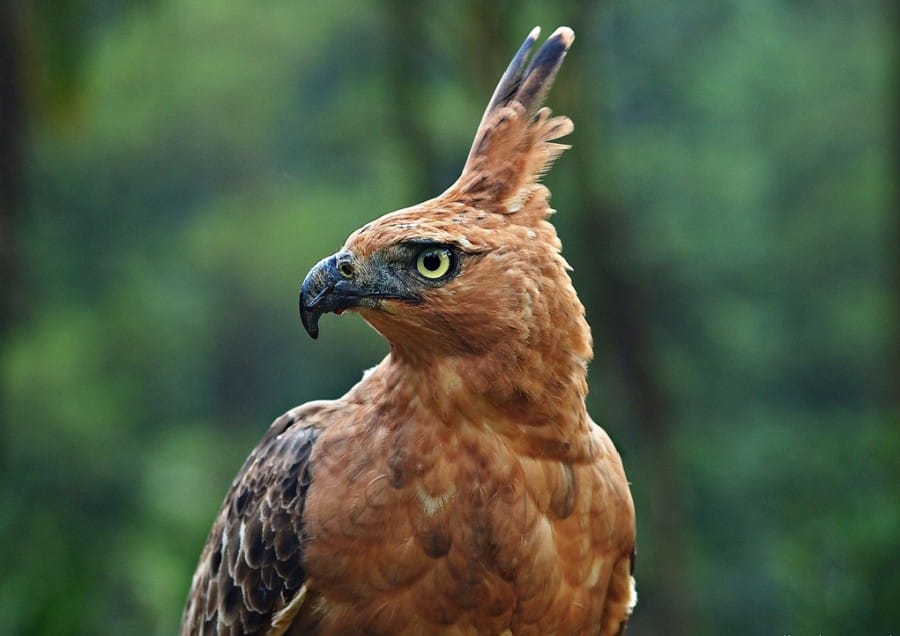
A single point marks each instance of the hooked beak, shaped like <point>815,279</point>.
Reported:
<point>339,282</point>
<point>322,292</point>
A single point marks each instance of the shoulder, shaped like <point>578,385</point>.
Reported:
<point>302,421</point>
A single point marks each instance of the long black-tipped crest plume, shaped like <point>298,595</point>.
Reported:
<point>513,144</point>
<point>512,78</point>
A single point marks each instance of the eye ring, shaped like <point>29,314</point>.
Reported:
<point>434,262</point>
<point>345,269</point>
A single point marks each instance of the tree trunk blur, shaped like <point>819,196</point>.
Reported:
<point>892,317</point>
<point>620,304</point>
<point>405,72</point>
<point>617,303</point>
<point>11,132</point>
<point>11,125</point>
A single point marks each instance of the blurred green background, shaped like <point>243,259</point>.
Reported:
<point>170,169</point>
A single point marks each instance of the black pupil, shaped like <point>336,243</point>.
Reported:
<point>432,261</point>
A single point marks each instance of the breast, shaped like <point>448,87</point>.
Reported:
<point>451,530</point>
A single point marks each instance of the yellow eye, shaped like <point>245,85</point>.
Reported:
<point>433,262</point>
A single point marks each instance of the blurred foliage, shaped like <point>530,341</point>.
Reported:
<point>209,153</point>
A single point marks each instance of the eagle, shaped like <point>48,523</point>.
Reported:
<point>460,487</point>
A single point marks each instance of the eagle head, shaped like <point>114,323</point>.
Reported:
<point>478,266</point>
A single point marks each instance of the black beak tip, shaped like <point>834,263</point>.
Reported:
<point>313,331</point>
<point>310,320</point>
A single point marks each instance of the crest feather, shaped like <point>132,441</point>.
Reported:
<point>513,145</point>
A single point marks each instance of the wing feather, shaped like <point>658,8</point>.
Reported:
<point>252,565</point>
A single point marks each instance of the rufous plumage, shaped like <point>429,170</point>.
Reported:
<point>461,486</point>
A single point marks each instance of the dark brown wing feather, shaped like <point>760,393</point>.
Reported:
<point>252,564</point>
